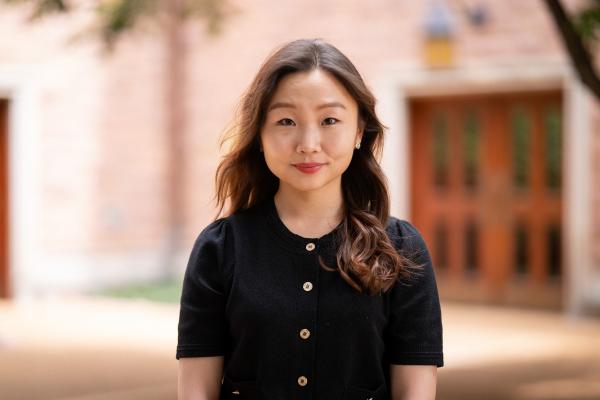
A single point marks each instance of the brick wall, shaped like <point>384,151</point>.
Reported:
<point>104,119</point>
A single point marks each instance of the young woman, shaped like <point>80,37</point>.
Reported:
<point>308,288</point>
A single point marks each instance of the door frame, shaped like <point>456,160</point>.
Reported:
<point>396,86</point>
<point>18,85</point>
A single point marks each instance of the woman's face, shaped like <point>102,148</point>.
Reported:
<point>310,130</point>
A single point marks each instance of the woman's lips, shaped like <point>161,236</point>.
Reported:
<point>308,168</point>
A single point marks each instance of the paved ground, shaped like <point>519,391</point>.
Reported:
<point>80,348</point>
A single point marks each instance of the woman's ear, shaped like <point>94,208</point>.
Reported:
<point>361,130</point>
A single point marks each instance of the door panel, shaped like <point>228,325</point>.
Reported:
<point>486,194</point>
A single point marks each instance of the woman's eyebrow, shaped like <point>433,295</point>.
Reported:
<point>283,104</point>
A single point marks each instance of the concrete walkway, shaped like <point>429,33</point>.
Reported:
<point>78,348</point>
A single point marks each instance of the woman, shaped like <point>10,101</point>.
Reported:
<point>308,288</point>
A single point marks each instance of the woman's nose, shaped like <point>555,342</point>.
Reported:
<point>309,140</point>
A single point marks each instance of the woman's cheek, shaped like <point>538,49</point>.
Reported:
<point>339,149</point>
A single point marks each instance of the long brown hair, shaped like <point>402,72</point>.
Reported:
<point>366,258</point>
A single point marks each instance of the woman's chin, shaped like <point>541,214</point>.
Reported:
<point>309,185</point>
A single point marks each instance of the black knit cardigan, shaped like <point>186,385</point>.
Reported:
<point>253,292</point>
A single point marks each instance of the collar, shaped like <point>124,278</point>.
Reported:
<point>324,245</point>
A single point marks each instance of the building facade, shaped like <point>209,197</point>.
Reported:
<point>492,151</point>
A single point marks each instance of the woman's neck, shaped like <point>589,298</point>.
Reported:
<point>310,213</point>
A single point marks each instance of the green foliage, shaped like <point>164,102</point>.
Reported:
<point>44,7</point>
<point>117,17</point>
<point>587,23</point>
<point>164,292</point>
<point>213,11</point>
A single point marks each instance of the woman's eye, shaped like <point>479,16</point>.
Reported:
<point>330,121</point>
<point>285,122</point>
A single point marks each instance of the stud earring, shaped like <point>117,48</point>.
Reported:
<point>357,145</point>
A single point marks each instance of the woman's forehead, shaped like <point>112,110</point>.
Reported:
<point>317,88</point>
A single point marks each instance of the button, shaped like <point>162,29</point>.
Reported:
<point>304,333</point>
<point>307,286</point>
<point>310,246</point>
<point>302,381</point>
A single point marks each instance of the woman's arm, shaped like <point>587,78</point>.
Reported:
<point>199,378</point>
<point>413,382</point>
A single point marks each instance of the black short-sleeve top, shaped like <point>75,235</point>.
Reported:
<point>253,292</point>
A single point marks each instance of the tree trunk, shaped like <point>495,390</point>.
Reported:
<point>176,129</point>
<point>579,55</point>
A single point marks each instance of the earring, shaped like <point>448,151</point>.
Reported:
<point>357,145</point>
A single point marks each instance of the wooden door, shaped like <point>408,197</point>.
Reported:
<point>4,270</point>
<point>486,195</point>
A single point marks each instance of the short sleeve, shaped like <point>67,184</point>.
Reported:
<point>414,332</point>
<point>202,328</point>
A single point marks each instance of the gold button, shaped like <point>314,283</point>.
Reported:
<point>307,286</point>
<point>304,333</point>
<point>310,246</point>
<point>302,381</point>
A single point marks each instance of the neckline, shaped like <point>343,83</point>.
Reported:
<point>294,241</point>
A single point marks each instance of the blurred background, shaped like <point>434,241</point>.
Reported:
<point>110,118</point>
